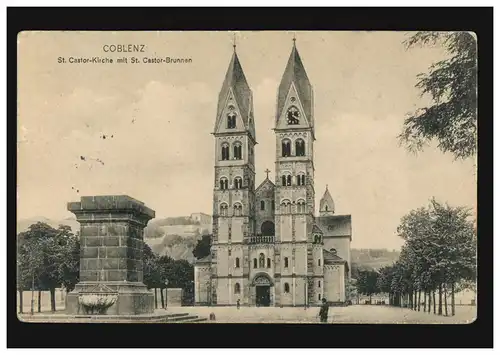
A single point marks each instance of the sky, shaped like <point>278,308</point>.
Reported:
<point>161,116</point>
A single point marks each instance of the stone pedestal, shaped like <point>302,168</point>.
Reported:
<point>111,251</point>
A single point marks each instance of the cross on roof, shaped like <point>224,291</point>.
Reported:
<point>234,42</point>
<point>267,173</point>
<point>294,39</point>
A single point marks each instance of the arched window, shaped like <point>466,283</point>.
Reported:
<point>272,205</point>
<point>326,207</point>
<point>262,205</point>
<point>267,228</point>
<point>268,263</point>
<point>319,296</point>
<point>300,148</point>
<point>236,288</point>
<point>262,259</point>
<point>319,262</point>
<point>289,180</point>
<point>225,151</point>
<point>254,263</point>
<point>301,179</point>
<point>319,283</point>
<point>301,206</point>
<point>237,150</point>
<point>237,262</point>
<point>231,120</point>
<point>287,287</point>
<point>237,209</point>
<point>285,147</point>
<point>283,180</point>
<point>238,183</point>
<point>223,210</point>
<point>286,262</point>
<point>286,206</point>
<point>224,183</point>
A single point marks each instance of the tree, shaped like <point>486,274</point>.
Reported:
<point>30,265</point>
<point>384,280</point>
<point>41,247</point>
<point>439,252</point>
<point>69,266</point>
<point>181,275</point>
<point>367,283</point>
<point>202,248</point>
<point>164,266</point>
<point>451,83</point>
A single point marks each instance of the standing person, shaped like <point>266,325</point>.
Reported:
<point>238,304</point>
<point>323,313</point>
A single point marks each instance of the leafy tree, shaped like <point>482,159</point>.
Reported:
<point>439,253</point>
<point>157,269</point>
<point>69,266</point>
<point>367,283</point>
<point>451,119</point>
<point>47,256</point>
<point>202,248</point>
<point>181,275</point>
<point>384,280</point>
<point>30,265</point>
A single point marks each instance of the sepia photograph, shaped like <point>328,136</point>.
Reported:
<point>247,177</point>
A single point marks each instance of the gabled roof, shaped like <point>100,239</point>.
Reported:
<point>295,73</point>
<point>205,260</point>
<point>335,226</point>
<point>330,258</point>
<point>265,183</point>
<point>236,81</point>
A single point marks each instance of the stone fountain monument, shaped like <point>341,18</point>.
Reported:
<point>111,252</point>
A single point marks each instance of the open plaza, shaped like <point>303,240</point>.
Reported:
<point>357,314</point>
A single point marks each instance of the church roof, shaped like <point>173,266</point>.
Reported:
<point>266,183</point>
<point>236,81</point>
<point>295,73</point>
<point>331,257</point>
<point>326,200</point>
<point>205,260</point>
<point>335,226</point>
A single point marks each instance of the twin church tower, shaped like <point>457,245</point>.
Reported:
<point>268,247</point>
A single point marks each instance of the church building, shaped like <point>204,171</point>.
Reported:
<point>269,248</point>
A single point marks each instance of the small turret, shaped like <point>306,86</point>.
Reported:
<point>326,204</point>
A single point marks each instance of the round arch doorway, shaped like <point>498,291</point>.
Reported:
<point>267,229</point>
<point>262,283</point>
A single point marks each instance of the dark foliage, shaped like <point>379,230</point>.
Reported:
<point>452,86</point>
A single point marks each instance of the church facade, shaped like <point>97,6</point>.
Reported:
<point>269,248</point>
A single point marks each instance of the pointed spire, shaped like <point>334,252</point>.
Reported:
<point>326,204</point>
<point>295,73</point>
<point>236,82</point>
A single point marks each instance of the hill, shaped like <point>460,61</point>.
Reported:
<point>374,258</point>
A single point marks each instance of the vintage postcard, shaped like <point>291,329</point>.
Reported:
<point>247,177</point>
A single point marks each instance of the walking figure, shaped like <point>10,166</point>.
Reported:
<point>238,304</point>
<point>323,312</point>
